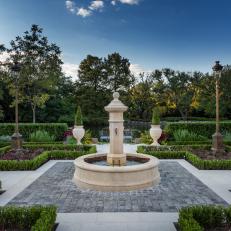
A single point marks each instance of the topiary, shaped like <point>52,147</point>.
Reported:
<point>78,117</point>
<point>156,116</point>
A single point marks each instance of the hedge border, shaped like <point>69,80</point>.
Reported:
<point>190,157</point>
<point>14,165</point>
<point>209,142</point>
<point>197,218</point>
<point>35,218</point>
<point>205,128</point>
<point>56,129</point>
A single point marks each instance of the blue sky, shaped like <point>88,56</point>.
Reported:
<point>180,34</point>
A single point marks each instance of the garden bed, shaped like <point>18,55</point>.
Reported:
<point>23,154</point>
<point>204,218</point>
<point>51,152</point>
<point>209,155</point>
<point>34,218</point>
<point>182,153</point>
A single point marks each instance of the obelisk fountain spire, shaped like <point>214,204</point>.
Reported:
<point>116,108</point>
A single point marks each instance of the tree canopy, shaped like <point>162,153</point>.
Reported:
<point>53,97</point>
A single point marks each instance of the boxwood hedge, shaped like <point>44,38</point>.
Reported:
<point>55,129</point>
<point>204,217</point>
<point>35,218</point>
<point>73,152</point>
<point>190,157</point>
<point>205,128</point>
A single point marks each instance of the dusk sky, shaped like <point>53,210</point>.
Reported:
<point>181,34</point>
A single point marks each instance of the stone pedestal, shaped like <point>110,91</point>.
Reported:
<point>116,108</point>
<point>218,146</point>
<point>16,141</point>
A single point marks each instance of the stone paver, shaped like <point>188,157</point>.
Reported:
<point>178,188</point>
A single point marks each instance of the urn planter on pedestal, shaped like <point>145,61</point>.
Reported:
<point>155,130</point>
<point>78,131</point>
<point>155,133</point>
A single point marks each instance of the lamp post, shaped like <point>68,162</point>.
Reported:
<point>16,138</point>
<point>217,147</point>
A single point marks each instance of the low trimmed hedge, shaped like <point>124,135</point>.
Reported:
<point>55,129</point>
<point>206,128</point>
<point>150,148</point>
<point>4,149</point>
<point>13,165</point>
<point>190,157</point>
<point>199,218</point>
<point>35,218</point>
<point>59,146</point>
<point>209,142</point>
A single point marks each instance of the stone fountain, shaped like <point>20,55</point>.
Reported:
<point>116,170</point>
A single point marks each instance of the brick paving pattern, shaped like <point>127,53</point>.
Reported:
<point>178,188</point>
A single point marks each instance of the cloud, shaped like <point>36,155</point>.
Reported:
<point>83,12</point>
<point>113,2</point>
<point>136,69</point>
<point>3,56</point>
<point>70,5</point>
<point>129,2</point>
<point>70,69</point>
<point>96,5</point>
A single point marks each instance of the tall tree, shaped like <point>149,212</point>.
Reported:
<point>91,89</point>
<point>141,99</point>
<point>41,66</point>
<point>118,72</point>
<point>208,93</point>
<point>176,90</point>
<point>2,74</point>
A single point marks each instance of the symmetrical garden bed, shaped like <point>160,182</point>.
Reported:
<point>34,218</point>
<point>51,151</point>
<point>182,152</point>
<point>205,218</point>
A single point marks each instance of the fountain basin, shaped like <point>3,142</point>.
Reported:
<point>91,173</point>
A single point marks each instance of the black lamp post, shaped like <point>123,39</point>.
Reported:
<point>218,147</point>
<point>16,138</point>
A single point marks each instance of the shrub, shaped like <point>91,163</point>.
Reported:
<point>41,136</point>
<point>204,217</point>
<point>145,137</point>
<point>5,138</point>
<point>227,137</point>
<point>185,135</point>
<point>35,218</point>
<point>206,128</point>
<point>71,140</point>
<point>54,129</point>
<point>156,116</point>
<point>4,149</point>
<point>69,147</point>
<point>78,117</point>
<point>136,133</point>
<point>87,139</point>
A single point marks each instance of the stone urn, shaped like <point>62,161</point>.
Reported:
<point>78,132</point>
<point>155,133</point>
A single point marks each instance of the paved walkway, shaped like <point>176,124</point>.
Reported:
<point>178,188</point>
<point>16,181</point>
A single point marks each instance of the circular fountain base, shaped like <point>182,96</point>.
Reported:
<point>92,172</point>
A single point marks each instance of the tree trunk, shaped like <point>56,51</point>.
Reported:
<point>34,114</point>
